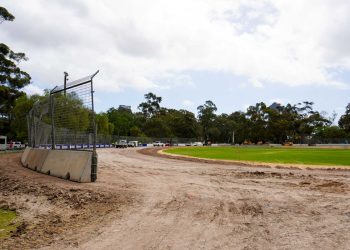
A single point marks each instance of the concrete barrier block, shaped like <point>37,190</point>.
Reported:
<point>67,164</point>
<point>25,155</point>
<point>72,165</point>
<point>28,158</point>
<point>36,158</point>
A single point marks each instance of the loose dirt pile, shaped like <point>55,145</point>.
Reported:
<point>142,201</point>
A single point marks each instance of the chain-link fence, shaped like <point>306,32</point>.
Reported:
<point>39,124</point>
<point>72,114</point>
<point>65,119</point>
<point>173,141</point>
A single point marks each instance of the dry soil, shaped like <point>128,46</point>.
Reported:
<point>142,201</point>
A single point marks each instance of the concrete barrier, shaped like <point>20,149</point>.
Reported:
<point>25,155</point>
<point>66,164</point>
<point>72,165</point>
<point>36,158</point>
<point>28,158</point>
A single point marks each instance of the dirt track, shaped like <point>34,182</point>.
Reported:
<point>158,203</point>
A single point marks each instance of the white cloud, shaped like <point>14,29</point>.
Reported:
<point>256,83</point>
<point>138,44</point>
<point>281,101</point>
<point>187,103</point>
<point>170,80</point>
<point>245,107</point>
<point>33,90</point>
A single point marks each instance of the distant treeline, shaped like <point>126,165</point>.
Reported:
<point>259,123</point>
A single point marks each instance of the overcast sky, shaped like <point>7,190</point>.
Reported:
<point>235,53</point>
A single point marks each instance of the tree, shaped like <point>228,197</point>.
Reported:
<point>281,123</point>
<point>156,127</point>
<point>182,123</point>
<point>12,78</point>
<point>328,134</point>
<point>206,116</point>
<point>258,119</point>
<point>23,105</point>
<point>102,124</point>
<point>344,121</point>
<point>308,120</point>
<point>222,129</point>
<point>151,106</point>
<point>5,15</point>
<point>240,126</point>
<point>122,120</point>
<point>110,128</point>
<point>136,132</point>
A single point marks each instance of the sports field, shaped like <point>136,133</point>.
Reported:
<point>309,156</point>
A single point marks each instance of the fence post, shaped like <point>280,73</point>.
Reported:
<point>94,154</point>
<point>28,128</point>
<point>52,122</point>
<point>34,131</point>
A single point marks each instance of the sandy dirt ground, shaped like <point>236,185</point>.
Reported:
<point>142,201</point>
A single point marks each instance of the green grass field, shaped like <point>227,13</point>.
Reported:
<point>6,217</point>
<point>309,156</point>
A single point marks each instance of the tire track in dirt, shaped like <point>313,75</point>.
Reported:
<point>194,205</point>
<point>179,204</point>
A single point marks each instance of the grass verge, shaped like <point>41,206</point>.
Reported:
<point>7,224</point>
<point>309,156</point>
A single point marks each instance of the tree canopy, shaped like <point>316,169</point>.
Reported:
<point>12,78</point>
<point>206,116</point>
<point>344,121</point>
<point>5,15</point>
<point>298,123</point>
<point>151,106</point>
